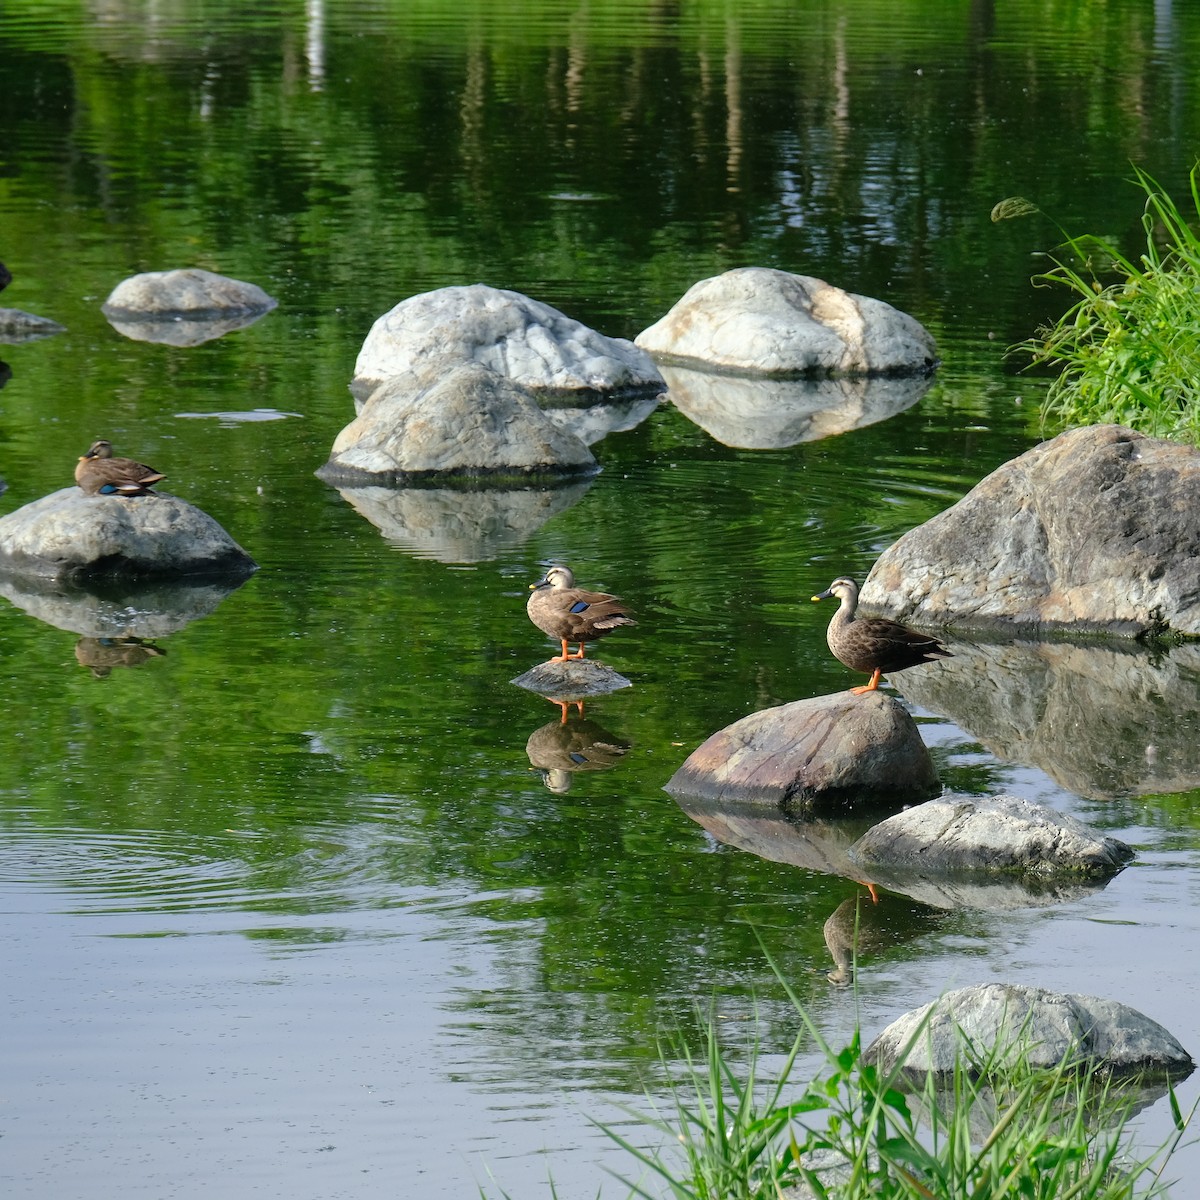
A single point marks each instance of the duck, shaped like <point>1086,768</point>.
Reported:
<point>571,614</point>
<point>874,644</point>
<point>98,473</point>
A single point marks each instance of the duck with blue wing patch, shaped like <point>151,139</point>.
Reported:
<point>874,645</point>
<point>100,474</point>
<point>572,614</point>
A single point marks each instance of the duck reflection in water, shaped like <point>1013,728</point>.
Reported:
<point>559,750</point>
<point>102,654</point>
<point>864,925</point>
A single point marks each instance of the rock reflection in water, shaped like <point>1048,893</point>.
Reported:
<point>559,750</point>
<point>1101,721</point>
<point>460,525</point>
<point>597,421</point>
<point>101,655</point>
<point>183,331</point>
<point>150,611</point>
<point>767,414</point>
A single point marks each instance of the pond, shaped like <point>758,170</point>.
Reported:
<point>292,910</point>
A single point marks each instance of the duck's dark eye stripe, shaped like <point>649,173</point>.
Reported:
<point>579,606</point>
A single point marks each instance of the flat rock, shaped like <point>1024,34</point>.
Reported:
<point>187,292</point>
<point>828,754</point>
<point>528,342</point>
<point>761,321</point>
<point>998,834</point>
<point>1097,530</point>
<point>573,680</point>
<point>1052,1027</point>
<point>469,421</point>
<point>70,537</point>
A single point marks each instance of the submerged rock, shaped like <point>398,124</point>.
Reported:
<point>761,321</point>
<point>68,536</point>
<point>17,326</point>
<point>469,422</point>
<point>1097,530</point>
<point>1042,1027</point>
<point>993,835</point>
<point>526,341</point>
<point>828,754</point>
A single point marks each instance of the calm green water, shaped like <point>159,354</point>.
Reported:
<point>289,913</point>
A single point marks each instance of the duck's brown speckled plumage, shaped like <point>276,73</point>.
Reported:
<point>99,473</point>
<point>572,614</point>
<point>874,645</point>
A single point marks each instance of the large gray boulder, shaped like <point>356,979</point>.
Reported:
<point>1097,530</point>
<point>828,754</point>
<point>761,321</point>
<point>1047,1028</point>
<point>70,537</point>
<point>528,342</point>
<point>996,834</point>
<point>186,292</point>
<point>467,422</point>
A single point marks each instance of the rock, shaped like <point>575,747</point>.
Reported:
<point>1101,720</point>
<point>572,681</point>
<point>1000,834</point>
<point>760,321</point>
<point>829,754</point>
<point>470,422</point>
<point>17,326</point>
<point>596,421</point>
<point>70,537</point>
<point>188,292</point>
<point>767,414</point>
<point>457,525</point>
<point>528,342</point>
<point>1050,1027</point>
<point>1097,530</point>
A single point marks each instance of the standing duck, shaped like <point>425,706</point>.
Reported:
<point>98,473</point>
<point>571,614</point>
<point>874,644</point>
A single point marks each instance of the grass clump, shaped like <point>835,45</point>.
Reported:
<point>1129,349</point>
<point>997,1129</point>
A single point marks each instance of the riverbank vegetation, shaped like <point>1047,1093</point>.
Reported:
<point>1128,349</point>
<point>999,1128</point>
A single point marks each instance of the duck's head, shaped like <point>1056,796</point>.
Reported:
<point>100,449</point>
<point>557,578</point>
<point>843,588</point>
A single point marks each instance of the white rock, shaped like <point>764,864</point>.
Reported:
<point>760,321</point>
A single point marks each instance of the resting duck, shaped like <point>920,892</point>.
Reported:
<point>571,614</point>
<point>873,644</point>
<point>98,473</point>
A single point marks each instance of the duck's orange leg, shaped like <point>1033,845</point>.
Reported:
<point>566,655</point>
<point>873,686</point>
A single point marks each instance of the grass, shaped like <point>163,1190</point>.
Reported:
<point>998,1129</point>
<point>1129,348</point>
